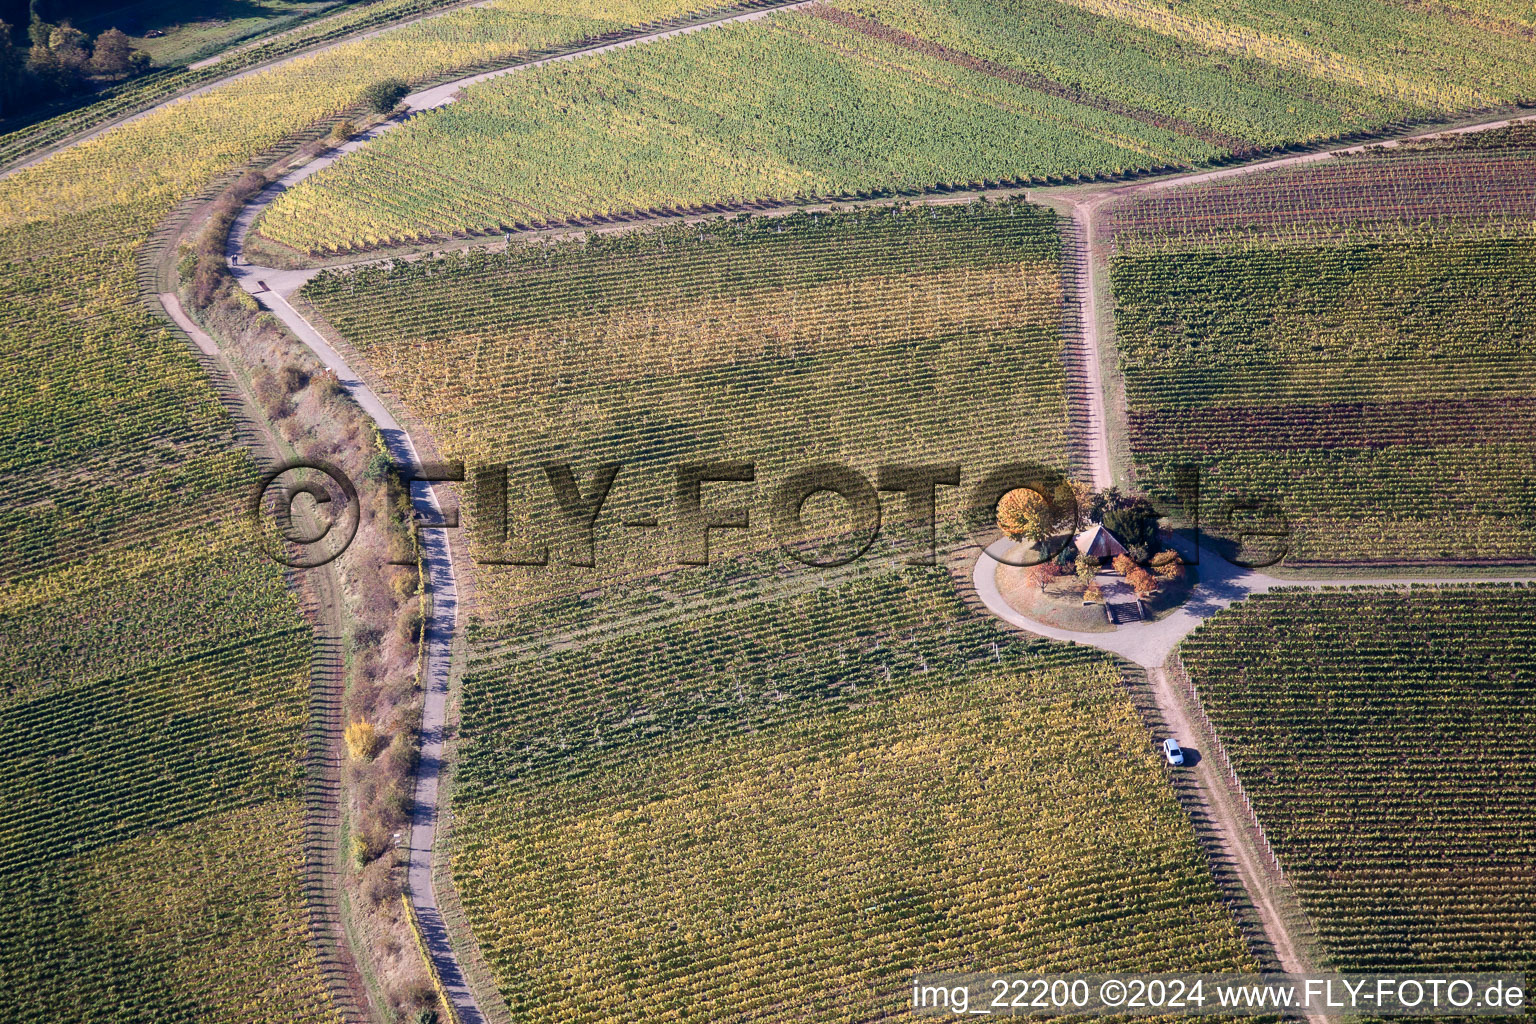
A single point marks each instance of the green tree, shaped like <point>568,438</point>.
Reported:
<point>13,73</point>
<point>381,96</point>
<point>1135,523</point>
<point>111,54</point>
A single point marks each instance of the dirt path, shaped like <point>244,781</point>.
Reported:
<point>1229,829</point>
<point>320,603</point>
<point>441,627</point>
<point>1094,428</point>
<point>199,336</point>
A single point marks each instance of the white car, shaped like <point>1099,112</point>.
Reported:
<point>1173,752</point>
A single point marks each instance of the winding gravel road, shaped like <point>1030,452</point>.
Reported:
<point>272,288</point>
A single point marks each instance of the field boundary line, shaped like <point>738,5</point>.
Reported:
<point>321,606</point>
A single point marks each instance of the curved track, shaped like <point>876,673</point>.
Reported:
<point>1221,584</point>
<point>272,288</point>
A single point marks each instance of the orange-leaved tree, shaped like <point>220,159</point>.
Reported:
<point>1024,512</point>
<point>1038,576</point>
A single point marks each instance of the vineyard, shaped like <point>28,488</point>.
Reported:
<point>734,114</point>
<point>920,335</point>
<point>877,96</point>
<point>735,789</point>
<point>787,807</point>
<point>129,796</point>
<point>574,21</point>
<point>158,699</point>
<point>1359,354</point>
<point>1386,740</point>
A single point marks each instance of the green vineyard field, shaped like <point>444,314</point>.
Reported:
<point>1386,740</point>
<point>861,338</point>
<point>789,806</point>
<point>876,96</point>
<point>1351,340</point>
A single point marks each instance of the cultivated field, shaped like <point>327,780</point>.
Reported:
<point>863,338</point>
<point>869,95</point>
<point>1386,739</point>
<point>1351,340</point>
<point>789,806</point>
<point>158,696</point>
<point>756,790</point>
<point>714,766</point>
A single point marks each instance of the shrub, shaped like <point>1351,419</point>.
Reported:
<point>378,467</point>
<point>409,625</point>
<point>1124,565</point>
<point>364,852</point>
<point>380,886</point>
<point>404,585</point>
<point>1066,557</point>
<point>1141,581</point>
<point>394,805</point>
<point>382,96</point>
<point>342,130</point>
<point>294,378</point>
<point>362,740</point>
<point>330,384</point>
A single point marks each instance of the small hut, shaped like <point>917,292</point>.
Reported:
<point>1099,543</point>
